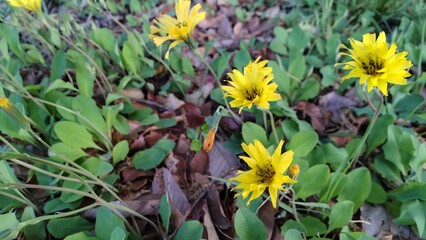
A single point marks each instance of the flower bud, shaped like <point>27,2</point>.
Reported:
<point>294,171</point>
<point>209,141</point>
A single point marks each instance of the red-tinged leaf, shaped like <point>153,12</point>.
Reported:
<point>193,115</point>
<point>199,162</point>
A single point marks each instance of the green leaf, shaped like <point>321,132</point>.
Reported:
<point>59,84</point>
<point>241,59</point>
<point>8,226</point>
<point>86,107</point>
<point>303,142</point>
<point>248,226</point>
<point>80,236</point>
<point>148,159</point>
<point>220,64</point>
<point>75,135</point>
<point>314,226</point>
<point>252,131</point>
<point>60,150</point>
<point>166,145</point>
<point>310,88</point>
<point>190,230</point>
<point>409,104</point>
<point>357,188</point>
<point>62,227</point>
<point>293,234</point>
<point>35,231</point>
<point>118,234</point>
<point>187,67</point>
<point>413,212</point>
<point>106,222</point>
<point>58,66</point>
<point>387,169</point>
<point>311,181</point>
<point>340,215</point>
<point>399,148</point>
<point>337,182</point>
<point>328,75</point>
<point>377,194</point>
<point>130,58</point>
<point>165,211</point>
<point>85,79</point>
<point>69,197</point>
<point>410,191</point>
<point>297,40</point>
<point>120,151</point>
<point>97,166</point>
<point>297,67</point>
<point>378,136</point>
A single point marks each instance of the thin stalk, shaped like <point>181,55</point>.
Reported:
<point>356,153</point>
<point>365,136</point>
<point>57,176</point>
<point>46,187</point>
<point>271,116</point>
<point>109,144</point>
<point>200,56</point>
<point>23,201</point>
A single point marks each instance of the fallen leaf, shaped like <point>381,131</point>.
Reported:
<point>165,182</point>
<point>208,224</point>
<point>267,215</point>
<point>193,115</point>
<point>199,162</point>
<point>335,103</point>
<point>314,113</point>
<point>222,163</point>
<point>216,210</point>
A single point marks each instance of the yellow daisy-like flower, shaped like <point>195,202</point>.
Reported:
<point>253,87</point>
<point>266,171</point>
<point>5,103</point>
<point>373,62</point>
<point>177,29</point>
<point>32,5</point>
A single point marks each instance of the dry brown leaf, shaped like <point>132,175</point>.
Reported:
<point>199,162</point>
<point>334,103</point>
<point>165,182</point>
<point>208,224</point>
<point>222,163</point>
<point>267,215</point>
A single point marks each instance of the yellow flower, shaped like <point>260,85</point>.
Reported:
<point>252,87</point>
<point>32,5</point>
<point>5,103</point>
<point>177,29</point>
<point>266,171</point>
<point>373,62</point>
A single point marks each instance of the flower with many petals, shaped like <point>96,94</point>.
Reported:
<point>177,29</point>
<point>252,87</point>
<point>374,63</point>
<point>32,5</point>
<point>266,171</point>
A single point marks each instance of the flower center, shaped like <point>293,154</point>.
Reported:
<point>181,30</point>
<point>266,174</point>
<point>252,93</point>
<point>373,66</point>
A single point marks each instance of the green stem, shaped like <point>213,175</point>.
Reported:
<point>357,151</point>
<point>21,200</point>
<point>271,116</point>
<point>355,154</point>
<point>197,52</point>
